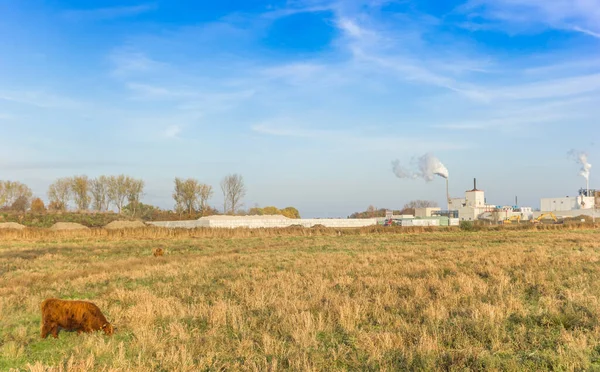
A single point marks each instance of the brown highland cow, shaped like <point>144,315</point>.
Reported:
<point>158,252</point>
<point>80,316</point>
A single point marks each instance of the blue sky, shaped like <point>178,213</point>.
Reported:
<point>309,100</point>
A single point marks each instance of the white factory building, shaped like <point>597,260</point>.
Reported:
<point>570,206</point>
<point>567,203</point>
<point>474,207</point>
<point>471,206</point>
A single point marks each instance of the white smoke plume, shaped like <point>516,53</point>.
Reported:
<point>426,167</point>
<point>581,158</point>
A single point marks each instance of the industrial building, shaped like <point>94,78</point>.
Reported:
<point>474,206</point>
<point>585,203</point>
<point>585,200</point>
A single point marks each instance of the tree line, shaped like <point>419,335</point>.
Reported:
<point>124,193</point>
<point>408,209</point>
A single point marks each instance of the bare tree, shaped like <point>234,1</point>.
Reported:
<point>99,191</point>
<point>233,191</point>
<point>409,208</point>
<point>59,194</point>
<point>421,204</point>
<point>80,185</point>
<point>14,194</point>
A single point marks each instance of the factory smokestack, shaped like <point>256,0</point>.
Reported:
<point>447,195</point>
<point>474,183</point>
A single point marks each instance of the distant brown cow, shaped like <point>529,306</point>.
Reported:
<point>80,316</point>
<point>158,252</point>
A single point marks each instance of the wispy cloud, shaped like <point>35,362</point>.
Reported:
<point>154,92</point>
<point>126,63</point>
<point>20,165</point>
<point>289,131</point>
<point>552,88</point>
<point>576,15</point>
<point>353,138</point>
<point>525,116</point>
<point>39,99</point>
<point>587,32</point>
<point>408,58</point>
<point>189,98</point>
<point>108,13</point>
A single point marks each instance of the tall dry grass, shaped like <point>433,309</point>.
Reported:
<point>41,234</point>
<point>486,300</point>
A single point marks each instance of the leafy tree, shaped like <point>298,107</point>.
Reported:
<point>135,190</point>
<point>188,195</point>
<point>59,194</point>
<point>99,191</point>
<point>206,192</point>
<point>37,206</point>
<point>256,211</point>
<point>233,191</point>
<point>80,186</point>
<point>121,188</point>
<point>290,212</point>
<point>13,191</point>
<point>271,210</point>
<point>141,210</point>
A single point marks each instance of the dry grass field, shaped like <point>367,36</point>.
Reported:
<point>452,300</point>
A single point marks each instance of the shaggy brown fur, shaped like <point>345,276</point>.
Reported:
<point>80,316</point>
<point>158,252</point>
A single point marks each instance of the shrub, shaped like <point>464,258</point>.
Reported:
<point>467,226</point>
<point>37,206</point>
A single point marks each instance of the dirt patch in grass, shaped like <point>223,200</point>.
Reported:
<point>125,225</point>
<point>68,226</point>
<point>11,225</point>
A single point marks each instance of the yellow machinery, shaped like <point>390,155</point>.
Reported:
<point>510,219</point>
<point>544,215</point>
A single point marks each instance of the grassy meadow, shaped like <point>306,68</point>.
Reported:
<point>486,300</point>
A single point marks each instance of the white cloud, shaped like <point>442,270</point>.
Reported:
<point>577,15</point>
<point>588,32</point>
<point>351,28</point>
<point>173,131</point>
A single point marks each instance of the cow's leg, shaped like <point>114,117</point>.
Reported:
<point>54,330</point>
<point>45,330</point>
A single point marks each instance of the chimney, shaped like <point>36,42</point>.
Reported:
<point>474,183</point>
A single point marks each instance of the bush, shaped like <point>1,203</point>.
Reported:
<point>37,206</point>
<point>467,226</point>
